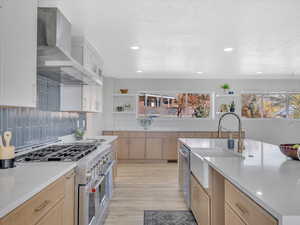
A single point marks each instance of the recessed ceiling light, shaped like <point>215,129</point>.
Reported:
<point>135,47</point>
<point>199,72</point>
<point>228,49</point>
<point>259,72</point>
<point>139,71</point>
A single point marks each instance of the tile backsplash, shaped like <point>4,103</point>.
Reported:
<point>45,123</point>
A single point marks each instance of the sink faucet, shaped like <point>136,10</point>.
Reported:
<point>240,141</point>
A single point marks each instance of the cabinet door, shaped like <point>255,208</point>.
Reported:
<point>99,99</point>
<point>194,198</point>
<point>70,98</point>
<point>55,216</point>
<point>231,218</point>
<point>200,203</point>
<point>19,48</point>
<point>170,147</point>
<point>69,200</point>
<point>137,148</point>
<point>154,147</point>
<point>86,98</point>
<point>123,148</point>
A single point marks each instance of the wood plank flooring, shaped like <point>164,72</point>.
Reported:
<point>142,187</point>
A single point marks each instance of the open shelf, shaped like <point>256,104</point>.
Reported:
<point>124,113</point>
<point>124,95</point>
<point>226,96</point>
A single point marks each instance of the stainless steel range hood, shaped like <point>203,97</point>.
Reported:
<point>54,50</point>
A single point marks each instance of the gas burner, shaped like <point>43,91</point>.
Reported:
<point>65,153</point>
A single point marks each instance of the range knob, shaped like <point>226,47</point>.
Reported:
<point>88,175</point>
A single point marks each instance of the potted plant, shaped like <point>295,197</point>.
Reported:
<point>79,134</point>
<point>225,88</point>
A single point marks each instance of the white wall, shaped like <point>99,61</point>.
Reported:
<point>270,130</point>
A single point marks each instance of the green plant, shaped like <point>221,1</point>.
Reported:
<point>79,133</point>
<point>225,86</point>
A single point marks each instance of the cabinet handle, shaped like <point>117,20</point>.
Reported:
<point>241,208</point>
<point>42,206</point>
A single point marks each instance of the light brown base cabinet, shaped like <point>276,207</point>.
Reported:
<point>231,218</point>
<point>200,203</point>
<point>154,145</point>
<point>223,203</point>
<point>52,206</point>
<point>249,212</point>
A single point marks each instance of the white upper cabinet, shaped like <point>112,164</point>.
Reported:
<point>87,55</point>
<point>85,98</point>
<point>18,49</point>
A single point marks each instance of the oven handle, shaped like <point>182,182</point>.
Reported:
<point>98,183</point>
<point>104,175</point>
<point>109,168</point>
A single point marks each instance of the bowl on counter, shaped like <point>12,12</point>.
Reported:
<point>290,150</point>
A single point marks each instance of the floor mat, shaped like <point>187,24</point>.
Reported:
<point>169,218</point>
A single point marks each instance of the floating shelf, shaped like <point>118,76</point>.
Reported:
<point>227,96</point>
<point>124,112</point>
<point>124,95</point>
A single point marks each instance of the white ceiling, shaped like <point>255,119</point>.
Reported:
<point>180,37</point>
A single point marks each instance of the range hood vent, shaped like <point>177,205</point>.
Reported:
<point>54,50</point>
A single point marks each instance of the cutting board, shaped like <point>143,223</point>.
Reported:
<point>7,151</point>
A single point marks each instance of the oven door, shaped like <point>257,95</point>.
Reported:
<point>91,202</point>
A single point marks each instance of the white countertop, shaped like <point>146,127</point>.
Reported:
<point>269,178</point>
<point>108,138</point>
<point>21,183</point>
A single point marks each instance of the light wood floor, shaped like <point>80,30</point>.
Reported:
<point>142,187</point>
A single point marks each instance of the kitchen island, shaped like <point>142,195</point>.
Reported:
<point>263,174</point>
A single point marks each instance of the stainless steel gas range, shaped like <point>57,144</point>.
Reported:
<point>94,179</point>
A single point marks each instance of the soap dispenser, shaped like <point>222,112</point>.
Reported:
<point>230,142</point>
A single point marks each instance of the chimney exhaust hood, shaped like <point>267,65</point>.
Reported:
<point>54,50</point>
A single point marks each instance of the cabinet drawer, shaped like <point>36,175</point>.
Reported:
<point>231,218</point>
<point>121,133</point>
<point>137,134</point>
<point>34,209</point>
<point>156,134</point>
<point>246,208</point>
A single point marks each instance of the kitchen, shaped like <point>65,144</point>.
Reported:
<point>149,112</point>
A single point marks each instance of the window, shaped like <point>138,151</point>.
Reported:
<point>188,105</point>
<point>274,106</point>
<point>271,105</point>
<point>197,105</point>
<point>251,105</point>
<point>294,106</point>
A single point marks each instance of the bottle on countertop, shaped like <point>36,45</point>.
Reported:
<point>230,142</point>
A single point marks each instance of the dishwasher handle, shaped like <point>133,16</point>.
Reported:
<point>184,151</point>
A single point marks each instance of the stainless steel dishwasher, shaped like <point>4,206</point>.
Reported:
<point>186,173</point>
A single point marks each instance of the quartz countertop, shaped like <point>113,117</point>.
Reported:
<point>21,183</point>
<point>108,138</point>
<point>263,173</point>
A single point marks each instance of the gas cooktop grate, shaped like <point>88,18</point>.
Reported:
<point>66,153</point>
